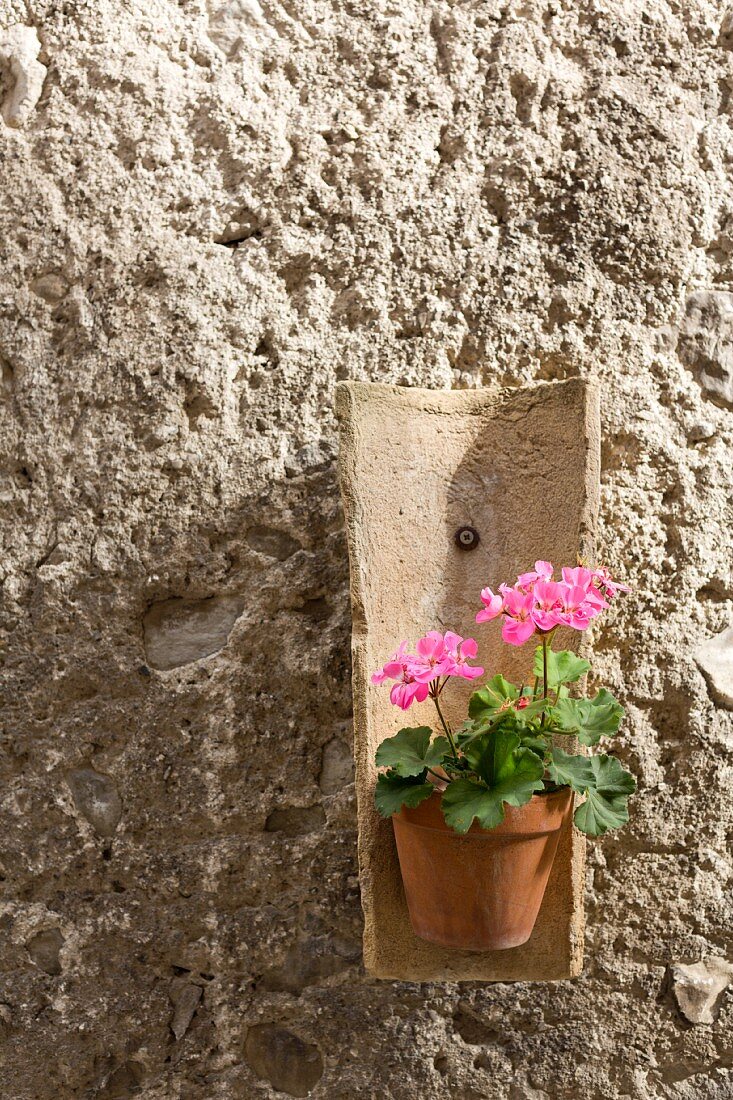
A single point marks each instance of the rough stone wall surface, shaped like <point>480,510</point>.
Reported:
<point>211,212</point>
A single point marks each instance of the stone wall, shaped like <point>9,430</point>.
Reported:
<point>211,212</point>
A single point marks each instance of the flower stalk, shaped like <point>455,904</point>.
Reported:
<point>444,724</point>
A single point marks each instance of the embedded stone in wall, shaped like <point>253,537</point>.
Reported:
<point>237,24</point>
<point>19,49</point>
<point>282,1058</point>
<point>698,987</point>
<point>185,997</point>
<point>272,542</point>
<point>179,631</point>
<point>309,962</point>
<point>714,658</point>
<point>97,798</point>
<point>295,820</point>
<point>44,949</point>
<point>337,766</point>
<point>700,431</point>
<point>705,342</point>
<point>52,287</point>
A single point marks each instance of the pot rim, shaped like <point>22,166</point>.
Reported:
<point>439,781</point>
<point>560,789</point>
<point>543,806</point>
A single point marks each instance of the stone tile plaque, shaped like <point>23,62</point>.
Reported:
<point>522,469</point>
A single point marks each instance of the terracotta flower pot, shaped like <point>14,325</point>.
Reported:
<point>481,891</point>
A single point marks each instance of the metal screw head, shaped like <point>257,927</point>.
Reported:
<point>466,538</point>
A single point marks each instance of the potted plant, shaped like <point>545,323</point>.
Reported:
<point>477,811</point>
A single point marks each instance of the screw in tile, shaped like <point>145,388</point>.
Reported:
<point>466,538</point>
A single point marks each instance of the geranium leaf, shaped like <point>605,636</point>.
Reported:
<point>410,751</point>
<point>606,804</point>
<point>394,791</point>
<point>506,773</point>
<point>605,784</point>
<point>605,699</point>
<point>524,714</point>
<point>466,733</point>
<point>491,756</point>
<point>571,770</point>
<point>494,696</point>
<point>536,743</point>
<point>563,667</point>
<point>466,799</point>
<point>589,719</point>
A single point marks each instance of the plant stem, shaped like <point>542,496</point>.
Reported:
<point>442,778</point>
<point>544,666</point>
<point>446,727</point>
<point>545,687</point>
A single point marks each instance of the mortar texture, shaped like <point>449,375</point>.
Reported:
<point>210,213</point>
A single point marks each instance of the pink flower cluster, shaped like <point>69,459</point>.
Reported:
<point>536,602</point>
<point>437,655</point>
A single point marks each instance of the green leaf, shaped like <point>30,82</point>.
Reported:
<point>395,791</point>
<point>563,667</point>
<point>410,751</point>
<point>496,695</point>
<point>468,731</point>
<point>604,698</point>
<point>524,715</point>
<point>536,742</point>
<point>590,719</point>
<point>507,773</point>
<point>466,799</point>
<point>606,806</point>
<point>456,767</point>
<point>490,756</point>
<point>605,784</point>
<point>571,770</point>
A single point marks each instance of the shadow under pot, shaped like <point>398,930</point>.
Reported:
<point>481,891</point>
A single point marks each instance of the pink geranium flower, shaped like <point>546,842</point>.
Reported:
<point>542,571</point>
<point>431,660</point>
<point>460,652</point>
<point>547,601</point>
<point>602,580</point>
<point>407,692</point>
<point>493,606</point>
<point>419,674</point>
<point>575,610</point>
<point>518,624</point>
<point>580,577</point>
<point>408,689</point>
<point>537,603</point>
